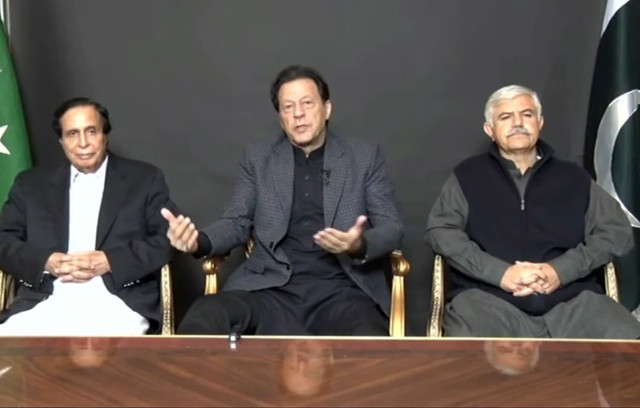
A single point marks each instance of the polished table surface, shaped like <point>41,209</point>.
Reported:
<point>211,371</point>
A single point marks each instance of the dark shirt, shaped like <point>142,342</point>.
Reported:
<point>309,261</point>
<point>307,258</point>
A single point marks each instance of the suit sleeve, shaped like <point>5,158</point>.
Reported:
<point>19,258</point>
<point>137,258</point>
<point>234,228</point>
<point>385,234</point>
<point>446,236</point>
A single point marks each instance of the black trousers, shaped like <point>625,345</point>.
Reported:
<point>342,311</point>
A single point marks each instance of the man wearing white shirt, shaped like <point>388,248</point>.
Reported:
<point>85,240</point>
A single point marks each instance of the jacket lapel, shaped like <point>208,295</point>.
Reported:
<point>115,191</point>
<point>58,197</point>
<point>281,171</point>
<point>336,170</point>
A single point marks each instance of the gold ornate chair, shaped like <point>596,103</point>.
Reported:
<point>400,267</point>
<point>439,287</point>
<point>7,292</point>
<point>166,297</point>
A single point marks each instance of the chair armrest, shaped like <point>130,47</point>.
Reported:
<point>437,298</point>
<point>400,267</point>
<point>7,290</point>
<point>166,292</point>
<point>3,291</point>
<point>611,282</point>
<point>212,267</point>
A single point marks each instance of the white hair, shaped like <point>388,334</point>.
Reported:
<point>507,369</point>
<point>506,93</point>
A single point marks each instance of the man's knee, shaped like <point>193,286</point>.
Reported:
<point>590,303</point>
<point>371,326</point>
<point>349,314</point>
<point>476,313</point>
<point>594,315</point>
<point>462,313</point>
<point>455,324</point>
<point>212,314</point>
<point>196,321</point>
<point>589,297</point>
<point>472,301</point>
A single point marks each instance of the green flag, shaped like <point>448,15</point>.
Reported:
<point>612,144</point>
<point>14,143</point>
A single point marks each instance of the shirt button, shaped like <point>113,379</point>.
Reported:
<point>306,194</point>
<point>306,177</point>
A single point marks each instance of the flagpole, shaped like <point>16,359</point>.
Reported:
<point>5,14</point>
<point>7,17</point>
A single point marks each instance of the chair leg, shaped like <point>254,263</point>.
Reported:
<point>437,298</point>
<point>611,282</point>
<point>397,318</point>
<point>167,301</point>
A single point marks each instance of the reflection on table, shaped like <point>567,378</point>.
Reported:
<point>210,371</point>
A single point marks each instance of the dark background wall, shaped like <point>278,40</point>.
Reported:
<point>186,83</point>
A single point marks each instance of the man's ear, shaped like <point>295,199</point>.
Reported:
<point>540,122</point>
<point>328,106</point>
<point>488,129</point>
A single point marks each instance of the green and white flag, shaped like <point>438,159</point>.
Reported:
<point>15,155</point>
<point>612,145</point>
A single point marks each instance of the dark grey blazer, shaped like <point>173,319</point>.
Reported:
<point>262,200</point>
<point>131,231</point>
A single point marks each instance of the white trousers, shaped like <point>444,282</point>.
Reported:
<point>77,309</point>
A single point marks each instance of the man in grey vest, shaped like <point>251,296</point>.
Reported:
<point>524,233</point>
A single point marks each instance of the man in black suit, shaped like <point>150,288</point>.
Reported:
<point>85,240</point>
<point>323,216</point>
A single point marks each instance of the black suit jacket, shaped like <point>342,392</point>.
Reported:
<point>131,231</point>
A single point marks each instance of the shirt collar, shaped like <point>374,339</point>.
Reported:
<point>316,155</point>
<point>99,174</point>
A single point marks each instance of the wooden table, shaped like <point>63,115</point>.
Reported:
<point>210,371</point>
